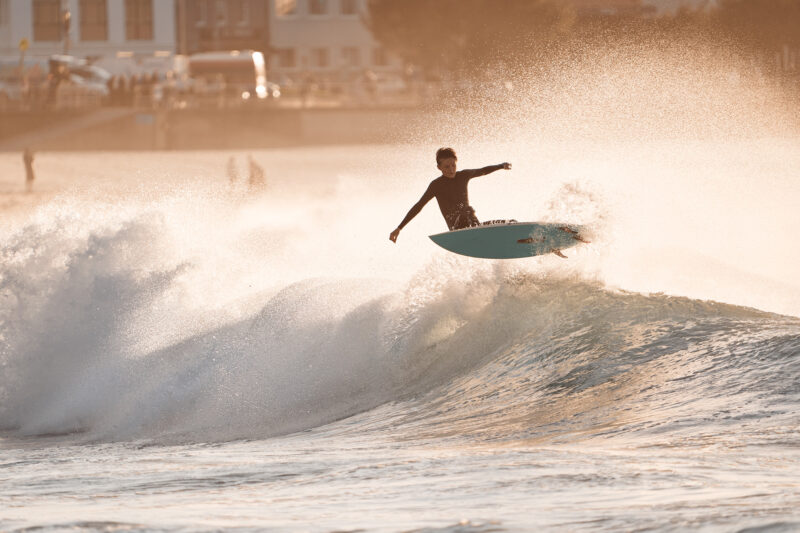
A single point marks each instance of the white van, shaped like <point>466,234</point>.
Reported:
<point>240,74</point>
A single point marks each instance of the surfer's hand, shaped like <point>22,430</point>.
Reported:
<point>507,166</point>
<point>393,235</point>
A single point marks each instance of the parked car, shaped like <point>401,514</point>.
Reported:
<point>237,74</point>
<point>273,90</point>
<point>21,87</point>
<point>10,94</point>
<point>80,72</point>
<point>390,83</point>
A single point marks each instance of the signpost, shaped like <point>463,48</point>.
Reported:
<point>23,47</point>
<point>23,77</point>
<point>66,23</point>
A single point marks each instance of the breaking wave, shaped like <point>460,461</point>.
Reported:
<point>103,339</point>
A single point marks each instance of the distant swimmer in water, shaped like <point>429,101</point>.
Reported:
<point>450,190</point>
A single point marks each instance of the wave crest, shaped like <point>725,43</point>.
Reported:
<point>491,350</point>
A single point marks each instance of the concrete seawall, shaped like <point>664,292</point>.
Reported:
<point>121,129</point>
<point>205,129</point>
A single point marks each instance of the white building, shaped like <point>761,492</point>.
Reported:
<point>672,6</point>
<point>324,37</point>
<point>96,28</point>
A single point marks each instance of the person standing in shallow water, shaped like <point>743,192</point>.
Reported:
<point>450,190</point>
<point>27,157</point>
<point>233,173</point>
<point>256,180</point>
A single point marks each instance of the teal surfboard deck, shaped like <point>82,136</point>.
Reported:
<point>509,239</point>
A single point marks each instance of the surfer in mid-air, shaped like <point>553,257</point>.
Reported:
<point>450,190</point>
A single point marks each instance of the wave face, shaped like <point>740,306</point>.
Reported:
<point>160,303</point>
<point>583,363</point>
<point>97,340</point>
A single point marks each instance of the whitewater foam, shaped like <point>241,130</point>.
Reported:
<point>77,307</point>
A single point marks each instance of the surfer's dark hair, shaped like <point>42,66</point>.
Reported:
<point>445,153</point>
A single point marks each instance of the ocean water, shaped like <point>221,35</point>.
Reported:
<point>179,353</point>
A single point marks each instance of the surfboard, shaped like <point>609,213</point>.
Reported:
<point>509,239</point>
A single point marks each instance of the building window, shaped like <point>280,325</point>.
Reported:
<point>286,58</point>
<point>379,57</point>
<point>201,19</point>
<point>94,20</point>
<point>348,7</point>
<point>244,12</point>
<point>139,20</point>
<point>318,7</point>
<point>351,56</point>
<point>320,57</point>
<point>221,13</point>
<point>3,13</point>
<point>285,8</point>
<point>46,20</point>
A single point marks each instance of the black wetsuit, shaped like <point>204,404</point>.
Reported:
<point>451,193</point>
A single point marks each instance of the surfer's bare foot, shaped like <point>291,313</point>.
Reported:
<point>568,230</point>
<point>558,253</point>
<point>579,238</point>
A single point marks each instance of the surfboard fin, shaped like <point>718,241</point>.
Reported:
<point>574,234</point>
<point>558,253</point>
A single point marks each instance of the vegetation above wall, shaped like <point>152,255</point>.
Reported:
<point>467,37</point>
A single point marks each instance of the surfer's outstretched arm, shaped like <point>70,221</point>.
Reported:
<point>475,172</point>
<point>415,209</point>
